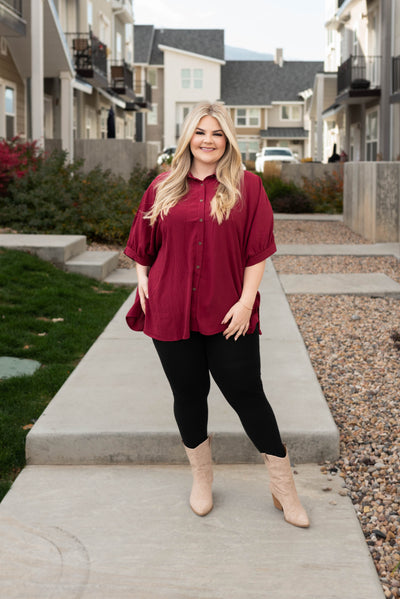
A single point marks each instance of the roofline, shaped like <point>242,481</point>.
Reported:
<point>162,47</point>
<point>275,102</point>
<point>148,64</point>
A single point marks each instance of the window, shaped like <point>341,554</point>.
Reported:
<point>372,135</point>
<point>192,78</point>
<point>103,123</point>
<point>118,42</point>
<point>152,77</point>
<point>248,149</point>
<point>290,112</point>
<point>198,78</point>
<point>247,117</point>
<point>90,13</point>
<point>185,78</point>
<point>152,116</point>
<point>91,123</point>
<point>129,127</point>
<point>75,118</point>
<point>10,112</point>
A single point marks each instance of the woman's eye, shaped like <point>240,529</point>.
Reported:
<point>199,132</point>
<point>218,134</point>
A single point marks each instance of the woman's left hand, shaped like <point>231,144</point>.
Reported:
<point>239,317</point>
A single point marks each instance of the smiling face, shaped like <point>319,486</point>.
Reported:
<point>208,144</point>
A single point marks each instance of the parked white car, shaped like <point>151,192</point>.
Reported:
<point>273,155</point>
<point>166,153</point>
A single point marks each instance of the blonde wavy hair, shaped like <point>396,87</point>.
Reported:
<point>229,172</point>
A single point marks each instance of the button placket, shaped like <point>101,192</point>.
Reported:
<point>200,238</point>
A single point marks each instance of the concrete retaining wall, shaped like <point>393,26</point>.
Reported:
<point>121,156</point>
<point>310,170</point>
<point>371,200</point>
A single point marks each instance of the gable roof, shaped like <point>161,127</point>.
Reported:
<point>143,42</point>
<point>206,42</point>
<point>261,82</point>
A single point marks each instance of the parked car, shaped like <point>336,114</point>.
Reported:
<point>166,154</point>
<point>273,155</point>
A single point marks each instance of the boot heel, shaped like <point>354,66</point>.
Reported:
<point>277,504</point>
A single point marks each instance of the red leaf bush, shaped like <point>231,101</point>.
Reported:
<point>16,158</point>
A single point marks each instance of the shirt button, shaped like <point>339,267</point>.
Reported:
<point>200,242</point>
<point>201,200</point>
<point>201,220</point>
<point>198,266</point>
<point>194,288</point>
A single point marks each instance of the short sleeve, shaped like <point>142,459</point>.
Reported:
<point>260,238</point>
<point>143,242</point>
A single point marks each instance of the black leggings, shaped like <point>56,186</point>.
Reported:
<point>235,367</point>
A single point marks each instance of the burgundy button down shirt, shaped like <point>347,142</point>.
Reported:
<point>196,265</point>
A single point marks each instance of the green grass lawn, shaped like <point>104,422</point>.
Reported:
<point>32,294</point>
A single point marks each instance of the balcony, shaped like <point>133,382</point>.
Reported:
<point>396,75</point>
<point>11,22</point>
<point>89,57</point>
<point>359,77</point>
<point>124,10</point>
<point>122,79</point>
<point>143,95</point>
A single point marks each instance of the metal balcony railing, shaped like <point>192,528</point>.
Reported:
<point>396,74</point>
<point>121,77</point>
<point>143,94</point>
<point>14,5</point>
<point>359,72</point>
<point>89,55</point>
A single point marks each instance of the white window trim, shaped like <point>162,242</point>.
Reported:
<point>247,117</point>
<point>3,88</point>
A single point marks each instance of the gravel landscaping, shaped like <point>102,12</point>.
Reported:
<point>354,346</point>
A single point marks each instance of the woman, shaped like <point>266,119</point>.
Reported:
<point>200,241</point>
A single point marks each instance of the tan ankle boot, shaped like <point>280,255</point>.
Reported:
<point>283,490</point>
<point>201,463</point>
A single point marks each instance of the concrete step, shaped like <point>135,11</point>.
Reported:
<point>116,407</point>
<point>128,531</point>
<point>57,249</point>
<point>376,284</point>
<point>122,276</point>
<point>319,249</point>
<point>97,265</point>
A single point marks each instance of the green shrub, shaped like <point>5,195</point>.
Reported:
<point>326,194</point>
<point>59,197</point>
<point>286,196</point>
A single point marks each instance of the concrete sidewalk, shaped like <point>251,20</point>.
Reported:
<point>97,515</point>
<point>124,401</point>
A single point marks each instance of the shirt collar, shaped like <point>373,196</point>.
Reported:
<point>210,177</point>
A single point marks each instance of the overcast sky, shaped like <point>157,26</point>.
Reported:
<point>297,26</point>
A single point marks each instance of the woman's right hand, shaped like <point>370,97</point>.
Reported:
<point>143,284</point>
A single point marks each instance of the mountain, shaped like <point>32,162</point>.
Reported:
<point>233,53</point>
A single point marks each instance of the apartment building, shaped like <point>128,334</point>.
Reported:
<point>268,102</point>
<point>66,71</point>
<point>267,99</point>
<point>357,99</point>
